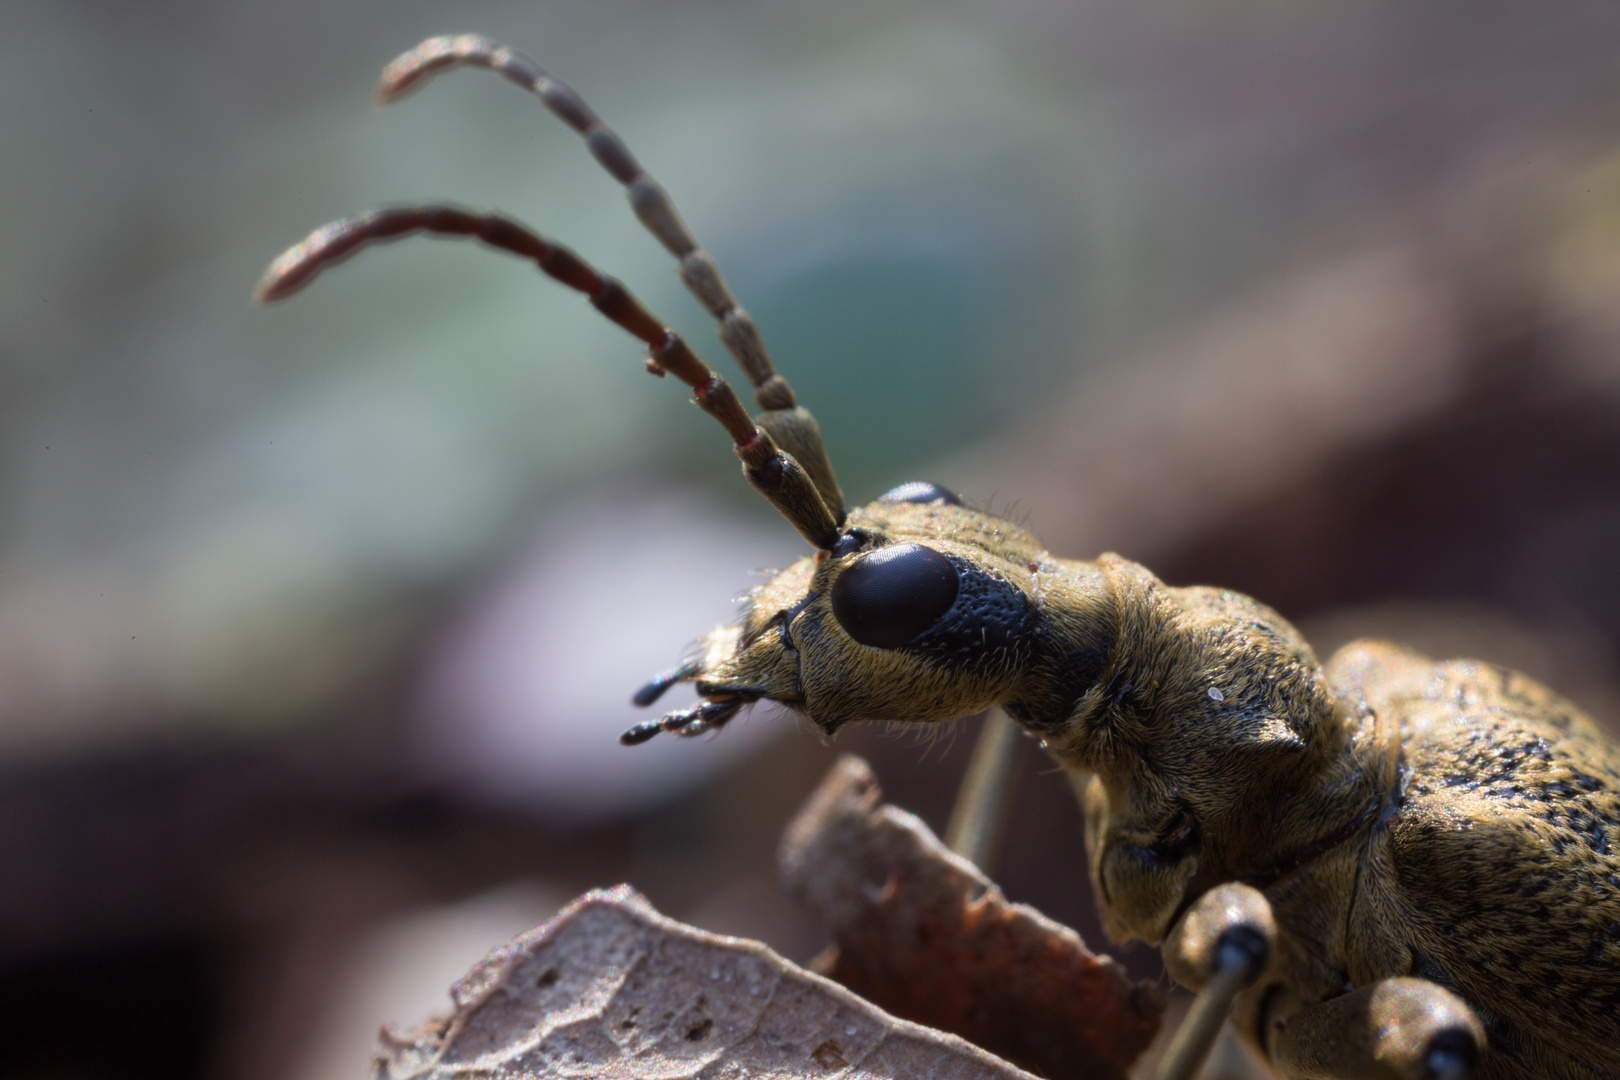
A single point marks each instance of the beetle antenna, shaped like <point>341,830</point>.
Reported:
<point>774,474</point>
<point>792,426</point>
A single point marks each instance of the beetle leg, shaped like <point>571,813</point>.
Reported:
<point>1219,948</point>
<point>1400,1028</point>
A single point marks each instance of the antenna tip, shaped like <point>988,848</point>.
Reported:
<point>285,276</point>
<point>411,68</point>
<point>268,289</point>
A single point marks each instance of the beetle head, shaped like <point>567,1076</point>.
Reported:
<point>923,610</point>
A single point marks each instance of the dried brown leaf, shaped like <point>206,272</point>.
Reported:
<point>922,933</point>
<point>611,989</point>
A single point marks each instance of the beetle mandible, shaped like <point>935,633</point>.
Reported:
<point>1412,866</point>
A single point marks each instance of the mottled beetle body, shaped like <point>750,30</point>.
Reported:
<point>1410,865</point>
<point>1452,821</point>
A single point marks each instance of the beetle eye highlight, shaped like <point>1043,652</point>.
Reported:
<point>891,596</point>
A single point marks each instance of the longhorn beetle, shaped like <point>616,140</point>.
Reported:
<point>1395,866</point>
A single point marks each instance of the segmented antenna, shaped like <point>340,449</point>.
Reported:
<point>773,474</point>
<point>793,427</point>
<point>647,197</point>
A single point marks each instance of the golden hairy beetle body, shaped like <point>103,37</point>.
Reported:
<point>1450,821</point>
<point>1410,865</point>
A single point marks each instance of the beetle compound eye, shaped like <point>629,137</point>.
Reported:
<point>920,491</point>
<point>893,595</point>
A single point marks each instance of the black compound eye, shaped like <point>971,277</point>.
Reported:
<point>894,594</point>
<point>920,491</point>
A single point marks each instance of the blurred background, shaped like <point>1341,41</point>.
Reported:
<point>318,623</point>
